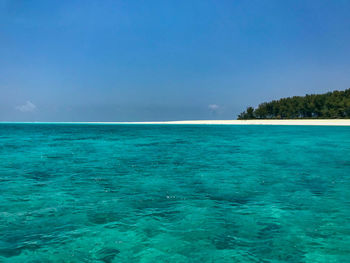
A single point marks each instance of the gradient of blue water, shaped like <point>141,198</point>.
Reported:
<point>174,193</point>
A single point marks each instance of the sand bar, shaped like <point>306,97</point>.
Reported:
<point>265,122</point>
<point>255,122</point>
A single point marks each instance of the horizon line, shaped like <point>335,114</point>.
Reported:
<point>306,122</point>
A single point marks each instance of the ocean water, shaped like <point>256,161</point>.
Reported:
<point>174,193</point>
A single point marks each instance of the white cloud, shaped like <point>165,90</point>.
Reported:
<point>213,107</point>
<point>27,107</point>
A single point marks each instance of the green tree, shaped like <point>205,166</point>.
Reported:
<point>334,104</point>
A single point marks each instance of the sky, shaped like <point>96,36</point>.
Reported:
<point>94,60</point>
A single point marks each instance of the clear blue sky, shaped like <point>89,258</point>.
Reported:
<point>98,60</point>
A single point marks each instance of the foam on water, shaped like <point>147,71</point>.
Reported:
<point>162,193</point>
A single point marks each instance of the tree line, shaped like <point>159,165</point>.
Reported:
<point>331,105</point>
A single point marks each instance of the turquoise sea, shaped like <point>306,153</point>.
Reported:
<point>174,193</point>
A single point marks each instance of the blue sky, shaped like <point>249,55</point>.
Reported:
<point>166,60</point>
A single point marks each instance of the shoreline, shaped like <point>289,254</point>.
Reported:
<point>313,122</point>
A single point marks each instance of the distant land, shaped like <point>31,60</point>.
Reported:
<point>331,105</point>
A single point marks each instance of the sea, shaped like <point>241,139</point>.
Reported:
<point>174,193</point>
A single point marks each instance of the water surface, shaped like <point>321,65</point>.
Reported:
<point>174,193</point>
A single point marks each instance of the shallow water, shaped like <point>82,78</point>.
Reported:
<point>181,193</point>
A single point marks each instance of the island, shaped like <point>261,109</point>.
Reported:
<point>330,105</point>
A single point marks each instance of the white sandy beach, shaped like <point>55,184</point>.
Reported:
<point>324,122</point>
<point>268,122</point>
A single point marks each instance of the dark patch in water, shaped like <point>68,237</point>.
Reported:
<point>13,146</point>
<point>232,199</point>
<point>156,203</point>
<point>225,242</point>
<point>9,251</point>
<point>38,175</point>
<point>269,230</point>
<point>107,254</point>
<point>147,144</point>
<point>164,214</point>
<point>103,218</point>
<point>179,141</point>
<point>317,186</point>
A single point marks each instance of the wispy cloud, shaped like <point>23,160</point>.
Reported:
<point>27,107</point>
<point>213,107</point>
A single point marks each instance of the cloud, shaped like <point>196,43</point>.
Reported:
<point>213,107</point>
<point>27,107</point>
